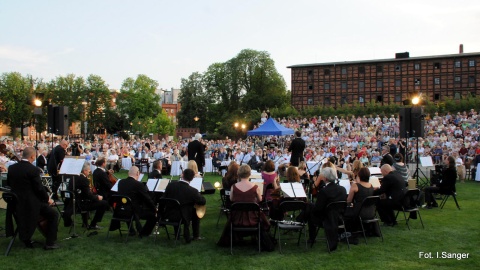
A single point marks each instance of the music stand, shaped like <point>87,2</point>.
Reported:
<point>71,167</point>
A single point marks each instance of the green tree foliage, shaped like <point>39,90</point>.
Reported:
<point>194,100</point>
<point>97,99</point>
<point>161,124</point>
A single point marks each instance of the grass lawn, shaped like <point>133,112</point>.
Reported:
<point>448,230</point>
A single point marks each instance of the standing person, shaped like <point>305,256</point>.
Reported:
<point>196,151</point>
<point>296,147</point>
<point>54,162</point>
<point>142,202</point>
<point>77,148</point>
<point>33,201</point>
<point>188,197</point>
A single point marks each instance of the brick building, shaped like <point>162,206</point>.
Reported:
<point>386,81</point>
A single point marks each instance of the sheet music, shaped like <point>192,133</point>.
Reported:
<point>115,187</point>
<point>162,185</point>
<point>293,190</point>
<point>426,161</point>
<point>287,189</point>
<point>140,177</point>
<point>256,175</point>
<point>197,183</point>
<point>374,170</point>
<point>345,184</point>
<point>374,181</point>
<point>259,183</point>
<point>151,184</point>
<point>72,165</point>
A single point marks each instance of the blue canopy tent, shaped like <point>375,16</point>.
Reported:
<point>270,127</point>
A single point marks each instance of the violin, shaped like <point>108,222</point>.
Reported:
<point>8,153</point>
<point>113,179</point>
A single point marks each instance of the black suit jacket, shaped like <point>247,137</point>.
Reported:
<point>138,193</point>
<point>196,151</point>
<point>186,195</point>
<point>41,161</point>
<point>330,193</point>
<point>102,183</point>
<point>393,186</point>
<point>386,159</point>
<point>56,157</point>
<point>25,180</point>
<point>296,147</point>
<point>155,174</point>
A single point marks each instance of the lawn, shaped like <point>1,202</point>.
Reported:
<point>446,230</point>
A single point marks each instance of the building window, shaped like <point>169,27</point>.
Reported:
<point>344,85</point>
<point>326,86</point>
<point>436,97</point>
<point>344,71</point>
<point>398,98</point>
<point>326,100</point>
<point>471,63</point>
<point>379,69</point>
<point>436,80</point>
<point>344,100</point>
<point>310,101</point>
<point>417,81</point>
<point>458,64</point>
<point>361,70</point>
<point>436,65</point>
<point>398,82</point>
<point>310,87</point>
<point>457,95</point>
<point>458,79</point>
<point>326,71</point>
<point>361,84</point>
<point>361,99</point>
<point>471,79</point>
<point>379,83</point>
<point>417,66</point>
<point>398,68</point>
<point>379,98</point>
<point>310,72</point>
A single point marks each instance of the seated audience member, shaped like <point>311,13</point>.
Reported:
<point>447,185</point>
<point>460,167</point>
<point>216,160</point>
<point>391,194</point>
<point>86,199</point>
<point>142,202</point>
<point>192,165</point>
<point>156,172</point>
<point>188,197</point>
<point>376,159</point>
<point>112,160</point>
<point>400,167</point>
<point>255,162</point>
<point>231,177</point>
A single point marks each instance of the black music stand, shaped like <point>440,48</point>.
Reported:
<point>71,168</point>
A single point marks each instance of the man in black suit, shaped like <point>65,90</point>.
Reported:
<point>391,194</point>
<point>100,179</point>
<point>188,197</point>
<point>86,199</point>
<point>42,160</point>
<point>142,202</point>
<point>386,156</point>
<point>196,151</point>
<point>330,193</point>
<point>156,172</point>
<point>297,147</point>
<point>33,201</point>
<point>56,158</point>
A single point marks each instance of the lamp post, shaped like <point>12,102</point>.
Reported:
<point>84,103</point>
<point>196,118</point>
<point>239,128</point>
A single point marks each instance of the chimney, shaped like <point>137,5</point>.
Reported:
<point>461,49</point>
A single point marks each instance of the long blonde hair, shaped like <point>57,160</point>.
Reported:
<point>193,166</point>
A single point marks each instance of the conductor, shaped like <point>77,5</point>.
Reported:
<point>296,147</point>
<point>196,151</point>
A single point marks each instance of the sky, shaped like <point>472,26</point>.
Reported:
<point>169,40</point>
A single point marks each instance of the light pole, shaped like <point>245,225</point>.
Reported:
<point>84,103</point>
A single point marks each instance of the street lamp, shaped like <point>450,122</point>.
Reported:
<point>84,103</point>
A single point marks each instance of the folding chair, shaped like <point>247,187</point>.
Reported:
<point>144,164</point>
<point>123,211</point>
<point>293,209</point>
<point>225,207</point>
<point>368,203</point>
<point>446,195</point>
<point>410,205</point>
<point>67,198</point>
<point>11,199</point>
<point>243,210</point>
<point>169,214</point>
<point>334,213</point>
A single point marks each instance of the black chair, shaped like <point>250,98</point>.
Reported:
<point>334,216</point>
<point>67,198</point>
<point>244,209</point>
<point>446,195</point>
<point>123,211</point>
<point>169,214</point>
<point>292,210</point>
<point>11,199</point>
<point>409,205</point>
<point>367,203</point>
<point>144,164</point>
<point>225,207</point>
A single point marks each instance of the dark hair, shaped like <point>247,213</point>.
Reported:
<point>188,175</point>
<point>298,133</point>
<point>156,164</point>
<point>398,157</point>
<point>100,162</point>
<point>292,174</point>
<point>364,174</point>
<point>269,166</point>
<point>451,162</point>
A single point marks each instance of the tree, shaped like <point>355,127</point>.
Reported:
<point>138,98</point>
<point>98,112</point>
<point>161,124</point>
<point>194,101</point>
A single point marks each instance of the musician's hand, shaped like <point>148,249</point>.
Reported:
<point>50,202</point>
<point>100,197</point>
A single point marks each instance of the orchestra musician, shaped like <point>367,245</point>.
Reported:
<point>54,163</point>
<point>101,180</point>
<point>33,201</point>
<point>142,202</point>
<point>87,200</point>
<point>188,197</point>
<point>156,172</point>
